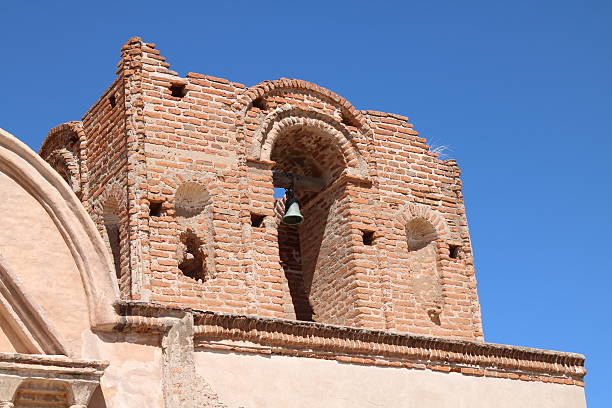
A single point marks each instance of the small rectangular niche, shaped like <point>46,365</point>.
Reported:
<point>453,251</point>
<point>257,220</point>
<point>112,101</point>
<point>260,103</point>
<point>156,208</point>
<point>178,90</point>
<point>368,237</point>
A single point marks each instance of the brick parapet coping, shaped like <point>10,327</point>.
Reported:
<point>261,335</point>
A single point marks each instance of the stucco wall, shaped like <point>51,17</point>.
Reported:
<point>133,378</point>
<point>6,344</point>
<point>255,381</point>
<point>37,253</point>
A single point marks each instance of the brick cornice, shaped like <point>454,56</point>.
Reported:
<point>51,366</point>
<point>252,334</point>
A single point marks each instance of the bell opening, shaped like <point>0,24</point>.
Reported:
<point>306,162</point>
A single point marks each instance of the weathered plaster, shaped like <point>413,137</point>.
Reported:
<point>279,381</point>
<point>134,376</point>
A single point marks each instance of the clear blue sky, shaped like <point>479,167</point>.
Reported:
<point>521,91</point>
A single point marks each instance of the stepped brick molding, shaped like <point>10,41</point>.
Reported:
<point>252,334</point>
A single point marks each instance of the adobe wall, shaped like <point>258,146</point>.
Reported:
<point>177,169</point>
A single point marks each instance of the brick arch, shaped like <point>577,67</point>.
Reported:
<point>288,116</point>
<point>64,162</point>
<point>267,87</point>
<point>73,128</point>
<point>413,211</point>
<point>58,137</point>
<point>245,101</point>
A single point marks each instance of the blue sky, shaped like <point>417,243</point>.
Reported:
<point>520,91</point>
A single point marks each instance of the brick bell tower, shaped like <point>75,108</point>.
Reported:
<point>179,174</point>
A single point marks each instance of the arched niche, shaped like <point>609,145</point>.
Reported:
<point>34,393</point>
<point>190,199</point>
<point>195,249</point>
<point>424,229</point>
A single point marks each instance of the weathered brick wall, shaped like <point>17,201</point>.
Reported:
<point>190,161</point>
<point>65,149</point>
<point>104,126</point>
<point>419,186</point>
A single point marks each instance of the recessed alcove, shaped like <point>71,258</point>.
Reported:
<point>190,199</point>
<point>191,256</point>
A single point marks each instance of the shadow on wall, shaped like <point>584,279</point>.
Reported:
<point>291,261</point>
<point>97,399</point>
<point>306,248</point>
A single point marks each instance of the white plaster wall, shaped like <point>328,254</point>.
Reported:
<point>253,381</point>
<point>36,251</point>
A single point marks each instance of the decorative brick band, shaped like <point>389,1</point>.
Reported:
<point>360,346</point>
<point>266,87</point>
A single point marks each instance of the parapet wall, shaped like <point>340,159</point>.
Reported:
<point>180,179</point>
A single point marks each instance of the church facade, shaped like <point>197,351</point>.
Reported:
<point>146,259</point>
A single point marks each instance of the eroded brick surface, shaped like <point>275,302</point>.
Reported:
<point>183,168</point>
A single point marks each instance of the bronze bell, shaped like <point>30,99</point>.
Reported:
<point>292,210</point>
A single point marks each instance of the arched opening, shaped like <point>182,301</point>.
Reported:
<point>111,219</point>
<point>42,393</point>
<point>421,238</point>
<point>306,153</point>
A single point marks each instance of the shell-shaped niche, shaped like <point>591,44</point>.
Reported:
<point>419,234</point>
<point>191,200</point>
